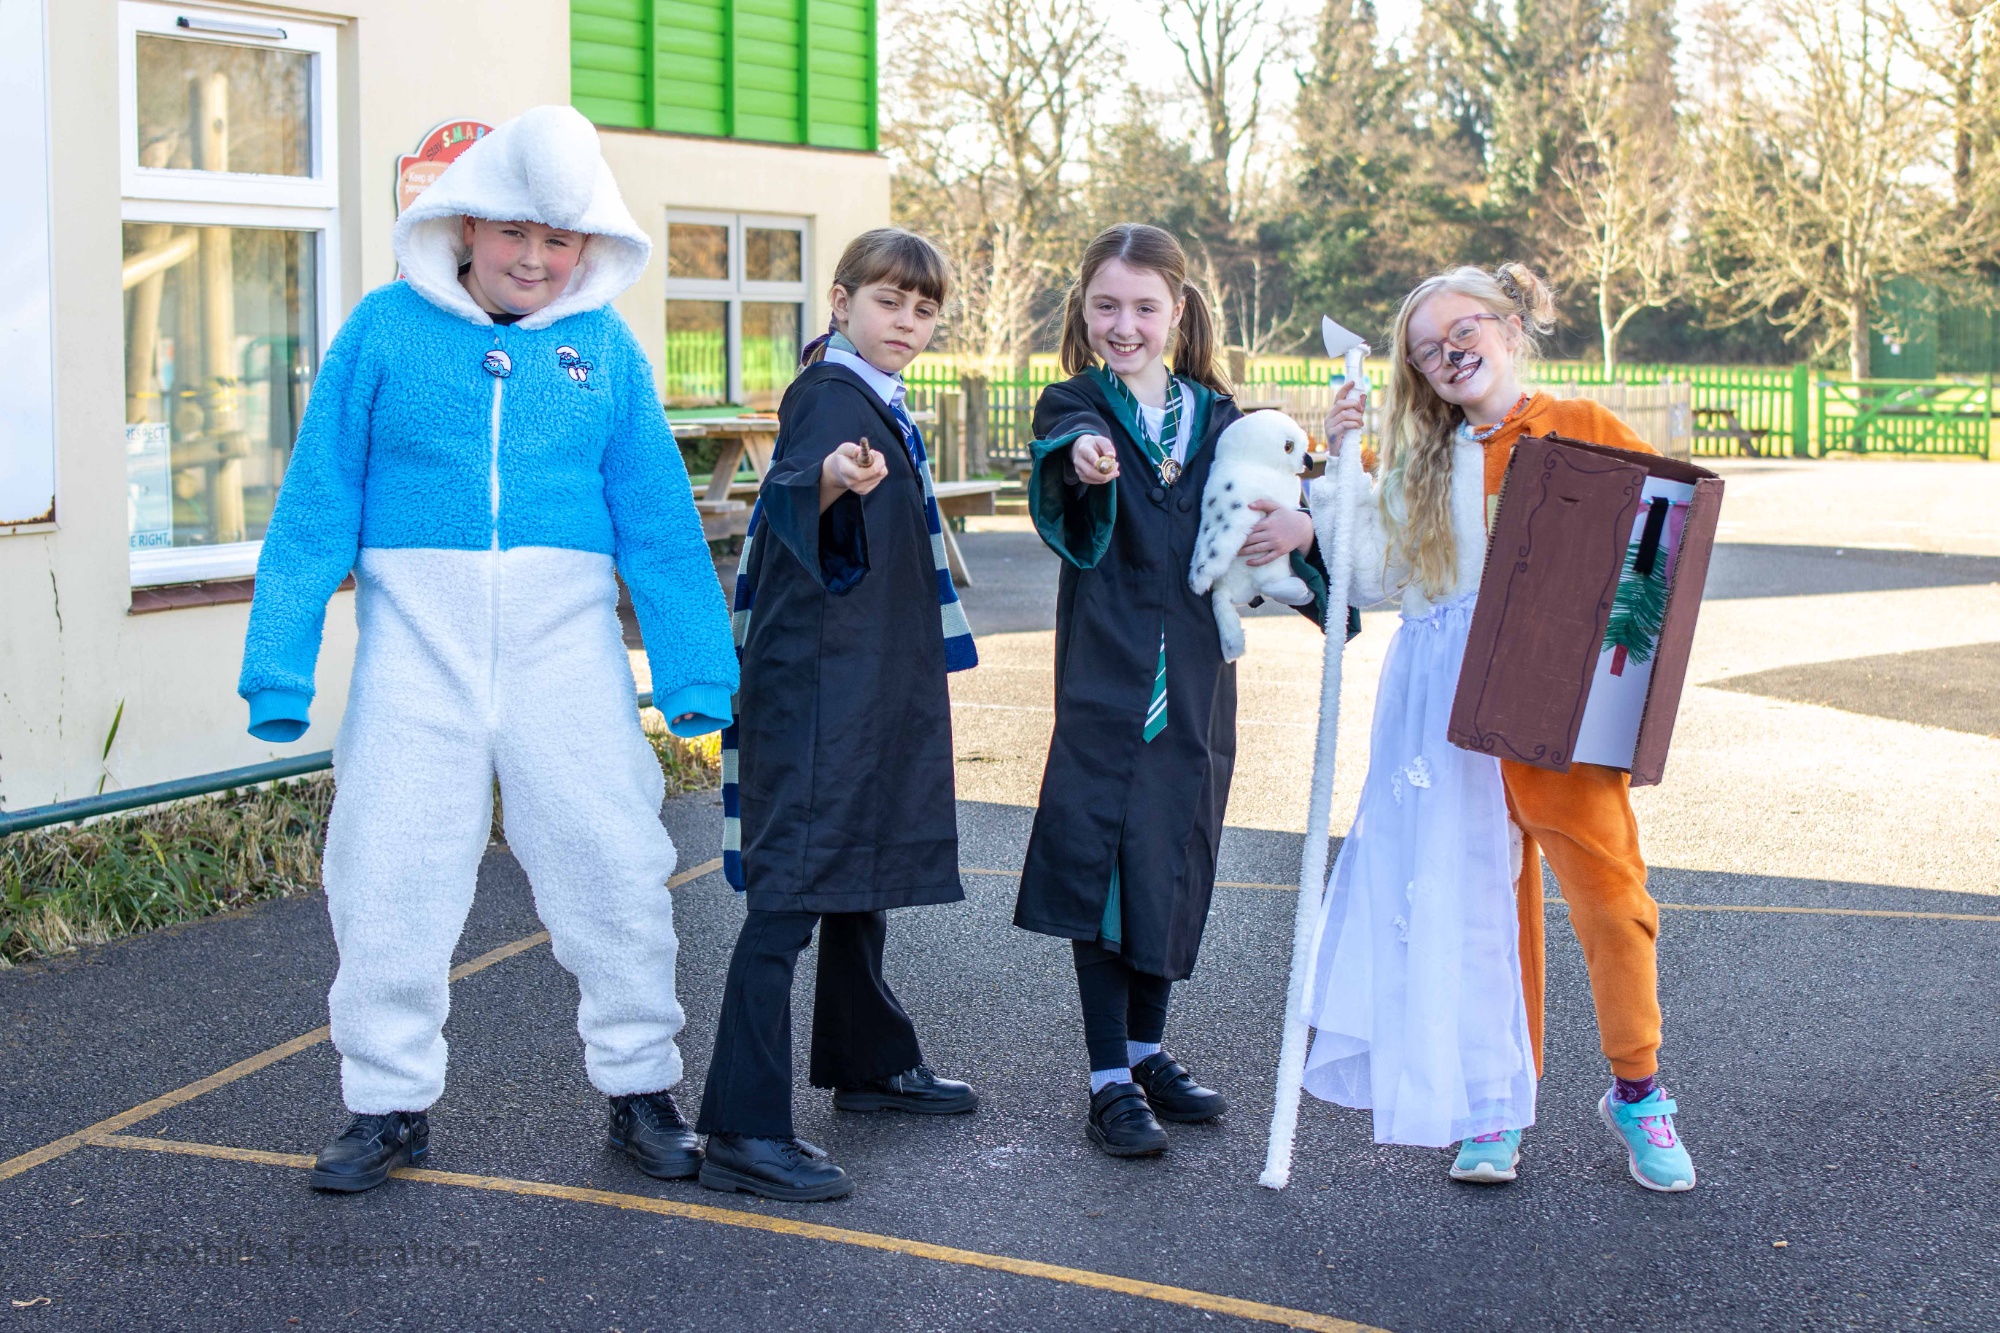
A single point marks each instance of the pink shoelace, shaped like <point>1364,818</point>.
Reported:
<point>1497,1136</point>
<point>1659,1130</point>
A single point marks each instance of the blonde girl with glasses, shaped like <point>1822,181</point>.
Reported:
<point>1428,982</point>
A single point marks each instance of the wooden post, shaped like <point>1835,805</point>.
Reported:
<point>977,423</point>
<point>222,407</point>
<point>951,438</point>
<point>1239,365</point>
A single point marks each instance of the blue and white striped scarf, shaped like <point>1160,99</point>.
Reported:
<point>959,651</point>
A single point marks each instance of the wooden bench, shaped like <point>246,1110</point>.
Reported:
<point>725,504</point>
<point>1748,439</point>
<point>963,499</point>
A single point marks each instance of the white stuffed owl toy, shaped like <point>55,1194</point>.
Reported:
<point>1259,457</point>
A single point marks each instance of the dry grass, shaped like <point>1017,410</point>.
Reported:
<point>63,888</point>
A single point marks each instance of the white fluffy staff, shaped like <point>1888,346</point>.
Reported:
<point>1330,498</point>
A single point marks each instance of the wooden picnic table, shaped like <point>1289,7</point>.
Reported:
<point>1748,438</point>
<point>725,505</point>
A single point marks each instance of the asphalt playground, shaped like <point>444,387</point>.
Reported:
<point>1825,847</point>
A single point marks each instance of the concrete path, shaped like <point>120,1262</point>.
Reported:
<point>1830,952</point>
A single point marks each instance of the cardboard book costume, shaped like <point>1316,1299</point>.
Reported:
<point>1580,641</point>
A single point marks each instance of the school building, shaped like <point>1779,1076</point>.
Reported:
<point>197,194</point>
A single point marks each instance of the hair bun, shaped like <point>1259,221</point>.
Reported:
<point>1529,293</point>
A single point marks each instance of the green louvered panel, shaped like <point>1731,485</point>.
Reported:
<point>841,73</point>
<point>767,70</point>
<point>691,66</point>
<point>607,58</point>
<point>782,71</point>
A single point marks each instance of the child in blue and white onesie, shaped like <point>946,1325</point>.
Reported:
<point>482,464</point>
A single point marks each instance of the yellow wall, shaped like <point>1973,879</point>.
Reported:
<point>69,650</point>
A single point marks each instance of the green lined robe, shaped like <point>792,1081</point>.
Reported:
<point>1153,810</point>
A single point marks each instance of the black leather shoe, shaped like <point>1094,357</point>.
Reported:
<point>1122,1124</point>
<point>917,1090</point>
<point>1174,1093</point>
<point>648,1129</point>
<point>790,1170</point>
<point>369,1148</point>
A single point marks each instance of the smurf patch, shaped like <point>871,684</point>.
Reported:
<point>578,368</point>
<point>497,364</point>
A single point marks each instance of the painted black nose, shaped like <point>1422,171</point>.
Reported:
<point>1455,355</point>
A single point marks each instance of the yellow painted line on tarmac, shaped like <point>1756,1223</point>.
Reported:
<point>1778,909</point>
<point>68,1143</point>
<point>1186,1297</point>
<point>1827,911</point>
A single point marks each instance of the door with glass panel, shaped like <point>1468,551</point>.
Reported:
<point>735,317</point>
<point>228,250</point>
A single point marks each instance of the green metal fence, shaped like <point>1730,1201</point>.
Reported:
<point>1783,411</point>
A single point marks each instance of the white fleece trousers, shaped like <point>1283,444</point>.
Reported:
<point>474,665</point>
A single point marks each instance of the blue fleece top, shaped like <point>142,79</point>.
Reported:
<point>396,451</point>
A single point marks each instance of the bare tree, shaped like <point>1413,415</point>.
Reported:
<point>991,109</point>
<point>1620,188</point>
<point>1823,181</point>
<point>1228,48</point>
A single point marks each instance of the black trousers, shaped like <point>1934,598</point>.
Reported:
<point>1119,1003</point>
<point>860,1032</point>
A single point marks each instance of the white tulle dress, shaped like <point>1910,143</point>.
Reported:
<point>1416,987</point>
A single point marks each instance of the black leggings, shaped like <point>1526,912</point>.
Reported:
<point>1119,1003</point>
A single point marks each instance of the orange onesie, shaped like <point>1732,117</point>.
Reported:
<point>1582,821</point>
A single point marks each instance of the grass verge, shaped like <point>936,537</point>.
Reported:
<point>63,888</point>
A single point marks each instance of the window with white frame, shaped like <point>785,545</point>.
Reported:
<point>736,293</point>
<point>230,193</point>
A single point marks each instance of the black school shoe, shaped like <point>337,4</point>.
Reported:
<point>369,1148</point>
<point>648,1129</point>
<point>917,1090</point>
<point>789,1170</point>
<point>1122,1124</point>
<point>1174,1093</point>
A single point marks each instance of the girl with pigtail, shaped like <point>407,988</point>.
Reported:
<point>1426,990</point>
<point>1122,857</point>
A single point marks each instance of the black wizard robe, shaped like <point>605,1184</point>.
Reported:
<point>844,773</point>
<point>1152,810</point>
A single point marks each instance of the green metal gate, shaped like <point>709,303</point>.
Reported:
<point>1906,417</point>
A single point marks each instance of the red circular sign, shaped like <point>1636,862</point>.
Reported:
<point>436,151</point>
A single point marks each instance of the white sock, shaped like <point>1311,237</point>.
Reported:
<point>1135,1051</point>
<point>1100,1079</point>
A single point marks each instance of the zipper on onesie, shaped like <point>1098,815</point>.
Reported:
<point>493,554</point>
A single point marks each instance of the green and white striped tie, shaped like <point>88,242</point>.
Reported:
<point>1156,710</point>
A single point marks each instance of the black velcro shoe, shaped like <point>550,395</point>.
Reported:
<point>1122,1124</point>
<point>369,1149</point>
<point>1174,1093</point>
<point>917,1090</point>
<point>648,1129</point>
<point>789,1170</point>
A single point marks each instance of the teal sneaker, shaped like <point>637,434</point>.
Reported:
<point>1653,1151</point>
<point>1489,1159</point>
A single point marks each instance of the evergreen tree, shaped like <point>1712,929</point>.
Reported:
<point>1638,610</point>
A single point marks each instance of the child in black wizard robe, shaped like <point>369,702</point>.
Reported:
<point>839,802</point>
<point>1122,857</point>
